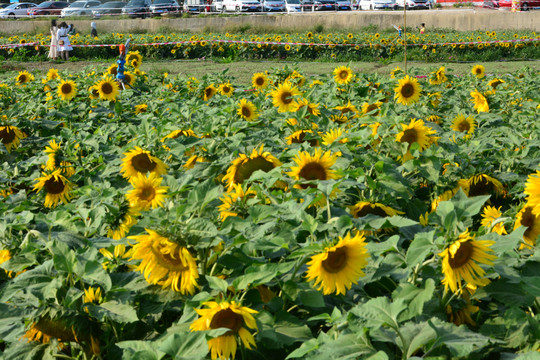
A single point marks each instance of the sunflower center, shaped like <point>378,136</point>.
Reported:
<point>66,88</point>
<point>464,126</point>
<point>208,92</point>
<point>22,78</point>
<point>527,219</point>
<point>7,136</point>
<point>127,78</point>
<point>107,88</point>
<point>462,255</point>
<point>478,71</point>
<point>245,170</point>
<point>113,70</point>
<point>312,171</point>
<point>259,81</point>
<point>226,89</point>
<point>246,112</point>
<point>142,163</point>
<point>147,193</point>
<point>496,83</point>
<point>343,74</point>
<point>409,136</point>
<point>95,92</point>
<point>286,97</point>
<point>481,187</point>
<point>346,110</point>
<point>336,260</point>
<point>407,90</point>
<point>166,260</point>
<point>54,186</point>
<point>366,210</point>
<point>227,319</point>
<point>371,107</point>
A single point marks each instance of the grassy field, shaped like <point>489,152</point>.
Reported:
<point>243,70</point>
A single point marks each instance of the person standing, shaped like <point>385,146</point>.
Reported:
<point>422,28</point>
<point>53,51</point>
<point>64,45</point>
<point>93,32</point>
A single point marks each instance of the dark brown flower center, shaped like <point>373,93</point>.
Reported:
<point>371,107</point>
<point>462,255</point>
<point>481,187</point>
<point>113,70</point>
<point>246,112</point>
<point>22,78</point>
<point>209,92</point>
<point>407,90</point>
<point>368,209</point>
<point>464,126</point>
<point>286,97</point>
<point>343,74</point>
<point>54,186</point>
<point>227,319</point>
<point>106,88</point>
<point>410,136</point>
<point>147,193</point>
<point>226,89</point>
<point>142,163</point>
<point>245,170</point>
<point>7,136</point>
<point>312,171</point>
<point>496,83</point>
<point>335,261</point>
<point>259,81</point>
<point>66,89</point>
<point>165,259</point>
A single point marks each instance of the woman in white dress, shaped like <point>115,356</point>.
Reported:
<point>64,45</point>
<point>53,51</point>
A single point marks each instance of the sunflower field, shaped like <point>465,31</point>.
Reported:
<point>345,216</point>
<point>434,46</point>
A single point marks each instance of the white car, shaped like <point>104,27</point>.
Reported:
<point>241,5</point>
<point>80,8</point>
<point>273,5</point>
<point>414,4</point>
<point>377,4</point>
<point>16,10</point>
<point>298,5</point>
<point>344,4</point>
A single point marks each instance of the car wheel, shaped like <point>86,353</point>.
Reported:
<point>525,7</point>
<point>11,16</point>
<point>223,9</point>
<point>237,9</point>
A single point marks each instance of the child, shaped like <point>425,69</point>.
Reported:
<point>93,33</point>
<point>422,28</point>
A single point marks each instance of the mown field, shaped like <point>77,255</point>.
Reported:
<point>337,216</point>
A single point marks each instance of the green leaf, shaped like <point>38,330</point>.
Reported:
<point>261,274</point>
<point>217,283</point>
<point>304,349</point>
<point>119,312</point>
<point>416,336</point>
<point>381,311</point>
<point>420,247</point>
<point>64,259</point>
<point>415,297</point>
<point>447,214</point>
<point>185,346</point>
<point>139,350</point>
<point>458,339</point>
<point>311,298</point>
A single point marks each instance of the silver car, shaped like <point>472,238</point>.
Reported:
<point>273,5</point>
<point>80,8</point>
<point>16,10</point>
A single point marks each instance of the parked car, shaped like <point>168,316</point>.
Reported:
<point>493,4</point>
<point>377,4</point>
<point>413,4</point>
<point>217,5</point>
<point>524,5</point>
<point>80,8</point>
<point>241,5</point>
<point>273,5</point>
<point>16,10</point>
<point>108,8</point>
<point>4,5</point>
<point>137,8</point>
<point>164,6</point>
<point>322,5</point>
<point>344,5</point>
<point>48,8</point>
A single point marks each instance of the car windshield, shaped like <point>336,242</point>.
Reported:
<point>78,4</point>
<point>293,1</point>
<point>112,5</point>
<point>161,2</point>
<point>136,3</point>
<point>46,4</point>
<point>12,6</point>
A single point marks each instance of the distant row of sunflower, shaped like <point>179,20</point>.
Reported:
<point>205,179</point>
<point>485,44</point>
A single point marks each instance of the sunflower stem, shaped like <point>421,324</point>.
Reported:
<point>329,213</point>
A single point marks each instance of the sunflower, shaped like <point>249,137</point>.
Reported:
<point>333,135</point>
<point>364,208</point>
<point>134,56</point>
<point>460,262</point>
<point>141,108</point>
<point>5,255</point>
<point>408,91</point>
<point>416,132</point>
<point>282,96</point>
<point>489,215</point>
<point>107,89</point>
<point>67,89</point>
<point>339,266</point>
<point>299,137</point>
<point>462,316</point>
<point>226,89</point>
<point>244,166</point>
<point>247,110</point>
<point>178,133</point>
<point>495,82</point>
<point>312,109</point>
<point>112,70</point>
<point>480,101</point>
<point>122,222</point>
<point>438,77</point>
<point>93,92</point>
<point>56,186</point>
<point>165,263</point>
<point>11,136</point>
<point>447,195</point>
<point>129,78</point>
<point>464,124</point>
<point>343,75</point>
<point>233,202</point>
<point>525,217</point>
<point>192,84</point>
<point>348,109</point>
<point>313,167</point>
<point>146,192</point>
<point>24,77</point>
<point>209,91</point>
<point>532,190</point>
<point>92,295</point>
<point>52,74</point>
<point>229,315</point>
<point>479,71</point>
<point>139,161</point>
<point>260,81</point>
<point>371,109</point>
<point>482,184</point>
